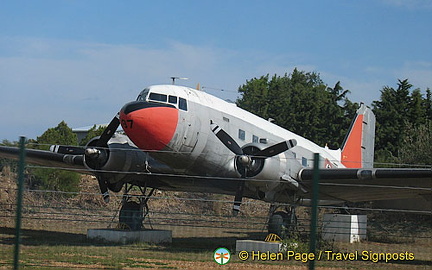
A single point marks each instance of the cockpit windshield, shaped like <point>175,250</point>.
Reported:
<point>143,95</point>
<point>158,97</point>
<point>178,102</point>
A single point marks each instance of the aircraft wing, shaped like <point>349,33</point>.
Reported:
<point>162,176</point>
<point>352,185</point>
<point>45,158</point>
<point>355,185</point>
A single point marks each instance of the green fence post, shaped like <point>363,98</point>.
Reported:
<point>21,166</point>
<point>313,224</point>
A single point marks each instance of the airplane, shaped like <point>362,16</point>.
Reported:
<point>183,139</point>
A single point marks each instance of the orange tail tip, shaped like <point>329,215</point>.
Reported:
<point>358,147</point>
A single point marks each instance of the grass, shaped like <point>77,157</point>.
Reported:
<point>45,249</point>
<point>42,248</point>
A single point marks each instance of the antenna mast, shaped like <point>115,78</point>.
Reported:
<point>177,78</point>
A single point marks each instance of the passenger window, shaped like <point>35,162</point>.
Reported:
<point>182,104</point>
<point>255,139</point>
<point>158,97</point>
<point>172,99</point>
<point>242,134</point>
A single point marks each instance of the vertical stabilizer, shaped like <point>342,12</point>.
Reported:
<point>358,147</point>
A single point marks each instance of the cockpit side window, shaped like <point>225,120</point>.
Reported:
<point>182,104</point>
<point>172,99</point>
<point>158,97</point>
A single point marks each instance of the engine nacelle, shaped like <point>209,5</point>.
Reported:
<point>119,156</point>
<point>264,170</point>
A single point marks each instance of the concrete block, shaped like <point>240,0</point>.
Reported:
<point>344,228</point>
<point>253,245</point>
<point>125,237</point>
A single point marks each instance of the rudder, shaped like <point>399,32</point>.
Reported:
<point>358,147</point>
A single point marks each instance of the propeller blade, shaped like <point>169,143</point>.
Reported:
<point>239,192</point>
<point>104,189</point>
<point>238,198</point>
<point>276,149</point>
<point>226,139</point>
<point>109,131</point>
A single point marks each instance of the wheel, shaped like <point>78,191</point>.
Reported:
<point>278,223</point>
<point>131,215</point>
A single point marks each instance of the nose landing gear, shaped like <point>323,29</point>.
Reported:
<point>282,223</point>
<point>134,208</point>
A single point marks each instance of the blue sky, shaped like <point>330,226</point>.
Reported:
<point>80,61</point>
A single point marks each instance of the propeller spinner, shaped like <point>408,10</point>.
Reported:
<point>249,160</point>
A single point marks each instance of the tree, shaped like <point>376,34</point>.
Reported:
<point>52,179</point>
<point>93,132</point>
<point>391,113</point>
<point>255,96</point>
<point>428,104</point>
<point>416,147</point>
<point>397,112</point>
<point>9,143</point>
<point>302,103</point>
<point>6,162</point>
<point>62,134</point>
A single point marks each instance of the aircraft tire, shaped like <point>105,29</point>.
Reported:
<point>131,215</point>
<point>278,223</point>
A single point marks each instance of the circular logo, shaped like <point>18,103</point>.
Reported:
<point>222,256</point>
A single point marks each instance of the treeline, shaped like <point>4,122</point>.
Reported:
<point>404,125</point>
<point>53,179</point>
<point>303,103</point>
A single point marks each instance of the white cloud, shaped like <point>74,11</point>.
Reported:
<point>85,83</point>
<point>410,4</point>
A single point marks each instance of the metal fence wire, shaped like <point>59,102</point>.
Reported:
<point>54,225</point>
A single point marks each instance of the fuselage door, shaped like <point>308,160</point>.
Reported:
<point>191,125</point>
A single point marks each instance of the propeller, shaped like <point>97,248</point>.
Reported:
<point>249,160</point>
<point>109,131</point>
<point>97,155</point>
<point>226,139</point>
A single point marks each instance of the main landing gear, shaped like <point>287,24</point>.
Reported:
<point>282,223</point>
<point>134,208</point>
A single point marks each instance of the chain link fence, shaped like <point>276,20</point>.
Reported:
<point>55,224</point>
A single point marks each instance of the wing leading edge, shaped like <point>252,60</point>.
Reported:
<point>355,185</point>
<point>45,158</point>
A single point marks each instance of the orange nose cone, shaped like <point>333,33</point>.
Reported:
<point>150,126</point>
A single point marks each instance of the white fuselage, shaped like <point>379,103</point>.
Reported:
<point>195,150</point>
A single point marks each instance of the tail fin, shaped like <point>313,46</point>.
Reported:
<point>358,146</point>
